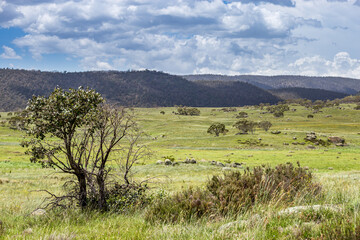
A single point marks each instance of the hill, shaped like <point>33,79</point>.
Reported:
<point>336,84</point>
<point>131,88</point>
<point>307,93</point>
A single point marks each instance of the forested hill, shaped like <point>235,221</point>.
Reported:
<point>336,84</point>
<point>307,93</point>
<point>135,88</point>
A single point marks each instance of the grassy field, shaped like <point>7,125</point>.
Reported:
<point>336,168</point>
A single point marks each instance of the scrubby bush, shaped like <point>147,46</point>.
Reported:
<point>265,125</point>
<point>162,112</point>
<point>310,116</point>
<point>245,126</point>
<point>236,192</point>
<point>217,128</point>
<point>188,111</point>
<point>278,114</point>
<point>228,109</point>
<point>242,115</point>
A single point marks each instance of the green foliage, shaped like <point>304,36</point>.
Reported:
<point>245,126</point>
<point>217,128</point>
<point>170,157</point>
<point>252,142</point>
<point>228,109</point>
<point>126,197</point>
<point>242,115</point>
<point>310,116</point>
<point>236,192</point>
<point>162,112</point>
<point>188,111</point>
<point>265,125</point>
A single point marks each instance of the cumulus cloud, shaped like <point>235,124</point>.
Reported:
<point>186,36</point>
<point>9,53</point>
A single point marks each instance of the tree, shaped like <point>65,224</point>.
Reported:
<point>74,132</point>
<point>266,125</point>
<point>242,115</point>
<point>245,126</point>
<point>217,128</point>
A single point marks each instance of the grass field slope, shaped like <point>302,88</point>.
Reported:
<point>331,215</point>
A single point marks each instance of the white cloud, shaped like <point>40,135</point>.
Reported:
<point>185,36</point>
<point>9,53</point>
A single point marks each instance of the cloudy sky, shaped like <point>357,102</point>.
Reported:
<point>269,37</point>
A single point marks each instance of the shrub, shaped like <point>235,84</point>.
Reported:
<point>235,192</point>
<point>265,125</point>
<point>188,111</point>
<point>162,112</point>
<point>217,128</point>
<point>245,126</point>
<point>310,116</point>
<point>278,114</point>
<point>242,115</point>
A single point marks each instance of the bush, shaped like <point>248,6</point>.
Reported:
<point>235,193</point>
<point>242,115</point>
<point>278,114</point>
<point>310,116</point>
<point>126,197</point>
<point>265,125</point>
<point>217,128</point>
<point>188,111</point>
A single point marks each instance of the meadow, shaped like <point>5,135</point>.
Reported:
<point>336,168</point>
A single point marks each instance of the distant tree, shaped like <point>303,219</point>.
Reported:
<point>266,125</point>
<point>72,131</point>
<point>242,115</point>
<point>278,114</point>
<point>245,126</point>
<point>217,128</point>
<point>188,111</point>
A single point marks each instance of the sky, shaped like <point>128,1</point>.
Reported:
<point>269,37</point>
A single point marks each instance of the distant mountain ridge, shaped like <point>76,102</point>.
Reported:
<point>132,88</point>
<point>307,93</point>
<point>335,84</point>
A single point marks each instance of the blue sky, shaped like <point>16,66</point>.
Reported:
<point>269,37</point>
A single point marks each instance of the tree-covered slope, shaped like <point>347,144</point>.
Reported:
<point>336,84</point>
<point>307,93</point>
<point>132,88</point>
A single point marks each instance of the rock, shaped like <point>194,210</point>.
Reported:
<point>330,168</point>
<point>229,225</point>
<point>226,168</point>
<point>159,162</point>
<point>311,147</point>
<point>285,144</point>
<point>306,168</point>
<point>168,162</point>
<point>220,164</point>
<point>213,162</point>
<point>38,212</point>
<point>190,161</point>
<point>298,209</point>
<point>336,140</point>
<point>328,116</point>
<point>295,143</point>
<point>294,138</point>
<point>275,132</point>
<point>28,231</point>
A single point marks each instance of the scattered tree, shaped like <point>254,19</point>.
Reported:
<point>266,125</point>
<point>242,115</point>
<point>73,131</point>
<point>217,128</point>
<point>188,111</point>
<point>245,126</point>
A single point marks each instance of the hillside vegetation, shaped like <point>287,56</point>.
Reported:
<point>133,88</point>
<point>307,93</point>
<point>336,84</point>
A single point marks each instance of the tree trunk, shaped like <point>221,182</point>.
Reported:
<point>82,190</point>
<point>101,184</point>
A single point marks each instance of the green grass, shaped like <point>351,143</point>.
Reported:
<point>185,136</point>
